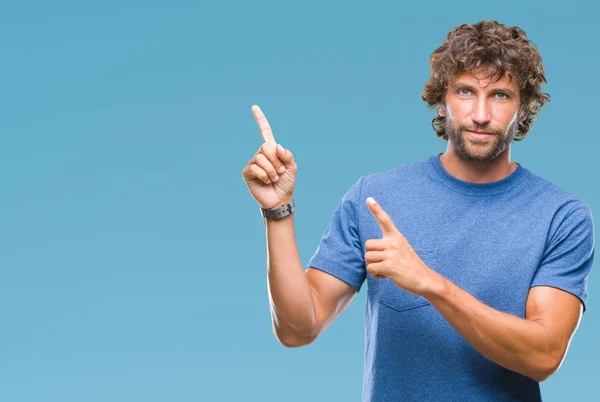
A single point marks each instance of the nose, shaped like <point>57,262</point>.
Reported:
<point>481,113</point>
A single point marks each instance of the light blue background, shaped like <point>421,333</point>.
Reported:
<point>132,257</point>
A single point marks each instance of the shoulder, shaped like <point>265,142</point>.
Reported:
<point>392,184</point>
<point>566,208</point>
<point>399,176</point>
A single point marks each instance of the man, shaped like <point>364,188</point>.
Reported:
<point>476,268</point>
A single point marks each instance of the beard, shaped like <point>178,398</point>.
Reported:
<point>472,150</point>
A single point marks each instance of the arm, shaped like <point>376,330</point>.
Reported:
<point>302,303</point>
<point>534,346</point>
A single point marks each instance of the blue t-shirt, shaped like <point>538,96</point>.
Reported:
<point>494,240</point>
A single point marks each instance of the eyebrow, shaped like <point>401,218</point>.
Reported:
<point>471,88</point>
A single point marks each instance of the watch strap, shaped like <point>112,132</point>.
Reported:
<point>278,212</point>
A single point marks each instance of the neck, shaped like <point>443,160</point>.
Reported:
<point>478,172</point>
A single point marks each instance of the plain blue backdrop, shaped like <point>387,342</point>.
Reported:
<point>132,257</point>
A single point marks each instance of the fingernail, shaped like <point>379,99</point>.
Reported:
<point>370,201</point>
<point>281,169</point>
<point>275,178</point>
<point>280,147</point>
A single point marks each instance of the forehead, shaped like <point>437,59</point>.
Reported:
<point>482,79</point>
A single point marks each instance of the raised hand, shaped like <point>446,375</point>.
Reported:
<point>393,257</point>
<point>271,173</point>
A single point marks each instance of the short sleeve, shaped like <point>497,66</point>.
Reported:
<point>568,258</point>
<point>340,251</point>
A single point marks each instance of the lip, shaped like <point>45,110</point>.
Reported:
<point>479,134</point>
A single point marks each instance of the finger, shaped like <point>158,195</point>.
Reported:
<point>270,152</point>
<point>285,155</point>
<point>255,172</point>
<point>375,256</point>
<point>376,270</point>
<point>376,244</point>
<point>267,166</point>
<point>263,124</point>
<point>385,222</point>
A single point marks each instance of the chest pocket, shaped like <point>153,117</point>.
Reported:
<point>392,296</point>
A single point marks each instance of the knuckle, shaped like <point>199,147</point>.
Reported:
<point>260,158</point>
<point>264,148</point>
<point>264,163</point>
<point>258,172</point>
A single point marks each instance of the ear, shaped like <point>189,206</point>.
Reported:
<point>441,110</point>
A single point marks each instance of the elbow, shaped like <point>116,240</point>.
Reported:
<point>294,336</point>
<point>541,376</point>
<point>295,341</point>
<point>547,366</point>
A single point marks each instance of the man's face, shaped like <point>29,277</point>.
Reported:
<point>482,117</point>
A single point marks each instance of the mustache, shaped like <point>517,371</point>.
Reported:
<point>483,129</point>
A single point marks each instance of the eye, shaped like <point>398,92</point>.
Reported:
<point>463,91</point>
<point>501,95</point>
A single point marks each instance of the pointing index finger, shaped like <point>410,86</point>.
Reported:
<point>263,124</point>
<point>385,222</point>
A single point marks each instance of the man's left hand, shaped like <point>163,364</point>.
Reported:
<point>393,257</point>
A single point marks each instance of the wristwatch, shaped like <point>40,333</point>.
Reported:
<point>278,212</point>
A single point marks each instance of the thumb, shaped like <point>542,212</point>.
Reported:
<point>285,155</point>
<point>385,222</point>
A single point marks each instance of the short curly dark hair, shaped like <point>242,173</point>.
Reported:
<point>501,51</point>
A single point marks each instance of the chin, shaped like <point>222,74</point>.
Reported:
<point>482,152</point>
<point>483,155</point>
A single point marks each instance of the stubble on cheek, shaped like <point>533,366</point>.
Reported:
<point>470,149</point>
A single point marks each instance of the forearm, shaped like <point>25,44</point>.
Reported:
<point>518,344</point>
<point>290,295</point>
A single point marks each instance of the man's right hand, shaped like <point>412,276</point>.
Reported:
<point>271,174</point>
<point>303,303</point>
